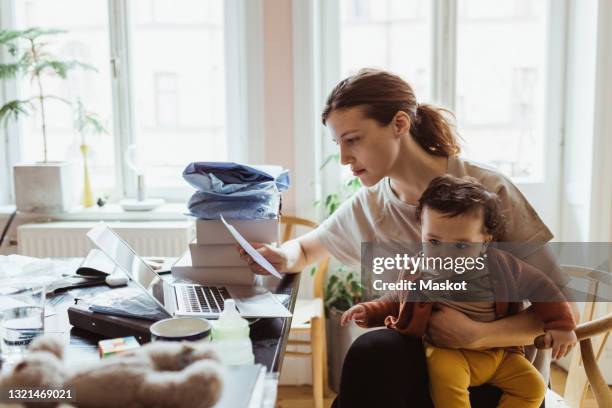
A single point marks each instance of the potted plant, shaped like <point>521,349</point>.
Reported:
<point>44,186</point>
<point>343,289</point>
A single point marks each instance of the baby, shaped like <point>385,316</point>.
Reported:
<point>459,218</point>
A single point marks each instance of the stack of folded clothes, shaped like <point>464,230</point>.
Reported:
<point>249,198</point>
<point>236,191</point>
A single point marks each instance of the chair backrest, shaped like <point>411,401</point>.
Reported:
<point>289,223</point>
<point>577,383</point>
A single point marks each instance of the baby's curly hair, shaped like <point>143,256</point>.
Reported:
<point>455,196</point>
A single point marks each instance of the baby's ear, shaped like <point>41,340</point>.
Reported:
<point>487,241</point>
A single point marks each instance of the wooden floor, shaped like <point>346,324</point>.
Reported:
<point>298,397</point>
<point>301,396</point>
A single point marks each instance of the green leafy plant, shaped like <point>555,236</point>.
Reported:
<point>347,188</point>
<point>31,59</point>
<point>342,289</point>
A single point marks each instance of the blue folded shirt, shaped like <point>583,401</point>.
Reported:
<point>226,177</point>
<point>236,191</point>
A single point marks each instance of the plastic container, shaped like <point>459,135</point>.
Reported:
<point>230,335</point>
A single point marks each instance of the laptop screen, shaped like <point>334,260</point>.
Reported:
<point>126,258</point>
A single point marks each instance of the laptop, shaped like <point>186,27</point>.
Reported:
<point>184,299</point>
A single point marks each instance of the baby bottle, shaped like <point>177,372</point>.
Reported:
<point>230,334</point>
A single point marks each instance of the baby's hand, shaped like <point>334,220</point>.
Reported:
<point>357,313</point>
<point>562,342</point>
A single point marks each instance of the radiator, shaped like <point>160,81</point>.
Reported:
<point>68,239</point>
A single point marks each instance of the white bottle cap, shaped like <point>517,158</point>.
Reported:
<point>230,323</point>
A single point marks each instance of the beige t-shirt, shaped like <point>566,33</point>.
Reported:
<point>375,214</point>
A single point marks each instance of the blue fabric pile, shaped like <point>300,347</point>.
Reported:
<point>236,191</point>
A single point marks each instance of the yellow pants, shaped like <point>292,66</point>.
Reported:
<point>452,371</point>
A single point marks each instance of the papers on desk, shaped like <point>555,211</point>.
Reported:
<point>261,261</point>
<point>256,301</point>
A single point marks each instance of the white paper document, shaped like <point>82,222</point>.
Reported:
<point>261,261</point>
<point>254,301</point>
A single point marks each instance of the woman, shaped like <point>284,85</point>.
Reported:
<point>396,146</point>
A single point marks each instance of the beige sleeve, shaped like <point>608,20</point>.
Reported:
<point>342,232</point>
<point>527,232</point>
<point>523,226</point>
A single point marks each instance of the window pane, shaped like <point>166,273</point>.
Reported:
<point>178,85</point>
<point>501,57</point>
<point>87,40</point>
<point>388,34</point>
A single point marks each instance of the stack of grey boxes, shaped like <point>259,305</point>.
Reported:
<point>214,258</point>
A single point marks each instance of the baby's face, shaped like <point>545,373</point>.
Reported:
<point>458,236</point>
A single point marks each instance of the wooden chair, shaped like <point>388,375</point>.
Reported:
<point>309,317</point>
<point>592,332</point>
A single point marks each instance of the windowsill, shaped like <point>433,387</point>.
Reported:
<point>112,212</point>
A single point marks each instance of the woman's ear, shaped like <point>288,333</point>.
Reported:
<point>401,123</point>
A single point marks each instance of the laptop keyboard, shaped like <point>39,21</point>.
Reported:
<point>203,299</point>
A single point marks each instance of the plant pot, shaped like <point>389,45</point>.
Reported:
<point>44,187</point>
<point>339,339</point>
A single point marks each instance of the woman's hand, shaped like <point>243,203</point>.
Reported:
<point>451,329</point>
<point>561,341</point>
<point>357,313</point>
<point>276,256</point>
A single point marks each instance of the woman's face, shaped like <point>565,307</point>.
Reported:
<point>369,148</point>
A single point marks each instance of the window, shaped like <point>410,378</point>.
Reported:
<point>501,57</point>
<point>166,100</point>
<point>160,84</point>
<point>178,85</point>
<point>86,40</point>
<point>497,53</point>
<point>387,34</point>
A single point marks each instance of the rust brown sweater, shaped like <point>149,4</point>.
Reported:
<point>511,279</point>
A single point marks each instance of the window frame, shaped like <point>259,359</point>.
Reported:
<point>243,45</point>
<point>443,88</point>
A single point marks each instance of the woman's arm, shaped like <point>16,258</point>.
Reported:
<point>519,329</point>
<point>291,257</point>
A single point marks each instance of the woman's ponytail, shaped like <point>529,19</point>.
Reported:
<point>433,131</point>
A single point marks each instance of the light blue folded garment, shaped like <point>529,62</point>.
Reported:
<point>256,202</point>
<point>227,177</point>
<point>235,191</point>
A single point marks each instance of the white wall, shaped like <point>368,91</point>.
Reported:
<point>580,97</point>
<point>283,111</point>
<point>278,91</point>
<point>587,172</point>
<point>601,205</point>
<point>586,200</point>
